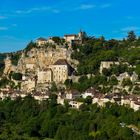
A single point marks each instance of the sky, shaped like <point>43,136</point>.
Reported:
<point>24,20</point>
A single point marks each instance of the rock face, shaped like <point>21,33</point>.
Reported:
<point>42,65</point>
<point>8,66</point>
<point>40,58</point>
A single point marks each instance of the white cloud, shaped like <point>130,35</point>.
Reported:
<point>37,9</point>
<point>130,28</point>
<point>3,28</point>
<point>85,7</point>
<point>91,6</point>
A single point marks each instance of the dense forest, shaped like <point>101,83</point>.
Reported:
<point>27,119</point>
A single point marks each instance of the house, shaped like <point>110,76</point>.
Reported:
<point>75,39</point>
<point>89,92</point>
<point>29,84</point>
<point>61,98</point>
<point>61,70</point>
<point>72,94</point>
<point>126,75</point>
<point>122,76</point>
<point>41,41</point>
<point>75,104</point>
<point>107,65</point>
<point>98,98</point>
<point>125,101</point>
<point>45,76</point>
<point>70,37</point>
<point>136,106</point>
<point>50,40</point>
<point>134,77</point>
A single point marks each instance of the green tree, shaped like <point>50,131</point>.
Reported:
<point>131,36</point>
<point>17,76</point>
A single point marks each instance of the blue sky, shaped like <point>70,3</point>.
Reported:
<point>25,20</point>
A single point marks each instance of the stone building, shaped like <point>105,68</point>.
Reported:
<point>58,72</point>
<point>61,70</point>
<point>107,65</point>
<point>45,76</point>
<point>41,41</point>
<point>75,39</point>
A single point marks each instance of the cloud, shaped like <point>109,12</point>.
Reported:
<point>37,9</point>
<point>91,6</point>
<point>85,7</point>
<point>2,17</point>
<point>131,28</point>
<point>105,5</point>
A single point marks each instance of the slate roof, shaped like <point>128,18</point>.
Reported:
<point>70,35</point>
<point>42,39</point>
<point>61,62</point>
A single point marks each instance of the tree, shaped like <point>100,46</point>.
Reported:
<point>68,83</point>
<point>113,80</point>
<point>88,100</point>
<point>126,82</point>
<point>53,87</point>
<point>131,36</point>
<point>30,46</point>
<point>17,76</point>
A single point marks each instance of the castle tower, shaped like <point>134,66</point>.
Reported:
<point>82,35</point>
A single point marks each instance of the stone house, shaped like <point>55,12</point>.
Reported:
<point>75,104</point>
<point>107,65</point>
<point>45,76</point>
<point>72,94</point>
<point>61,70</point>
<point>89,92</point>
<point>75,39</point>
<point>41,41</point>
<point>136,106</point>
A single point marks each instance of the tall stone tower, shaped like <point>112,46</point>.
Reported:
<point>82,35</point>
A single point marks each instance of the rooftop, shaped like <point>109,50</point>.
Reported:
<point>70,35</point>
<point>41,39</point>
<point>61,62</point>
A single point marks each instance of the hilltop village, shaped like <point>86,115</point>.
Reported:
<point>53,65</point>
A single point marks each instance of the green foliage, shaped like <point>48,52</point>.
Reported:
<point>3,82</point>
<point>53,87</point>
<point>131,36</point>
<point>126,82</point>
<point>136,90</point>
<point>30,46</point>
<point>58,40</point>
<point>2,57</point>
<point>28,119</point>
<point>15,58</point>
<point>113,81</point>
<point>68,83</point>
<point>17,76</point>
